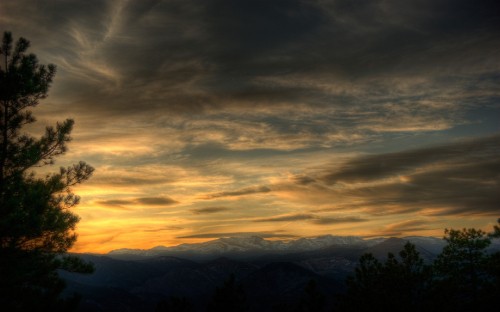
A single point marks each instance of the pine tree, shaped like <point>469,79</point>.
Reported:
<point>496,230</point>
<point>312,300</point>
<point>36,224</point>
<point>462,274</point>
<point>493,263</point>
<point>228,298</point>
<point>397,285</point>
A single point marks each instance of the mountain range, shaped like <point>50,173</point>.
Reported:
<point>271,272</point>
<point>254,246</point>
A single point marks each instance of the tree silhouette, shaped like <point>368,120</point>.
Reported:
<point>463,271</point>
<point>36,224</point>
<point>464,277</point>
<point>496,230</point>
<point>493,263</point>
<point>228,298</point>
<point>312,300</point>
<point>394,285</point>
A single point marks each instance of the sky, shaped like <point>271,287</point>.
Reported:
<point>282,119</point>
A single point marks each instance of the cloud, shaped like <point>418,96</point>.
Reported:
<point>267,55</point>
<point>115,202</point>
<point>237,100</point>
<point>457,190</point>
<point>260,26</point>
<point>337,220</point>
<point>459,178</point>
<point>287,218</point>
<point>373,167</point>
<point>155,201</point>
<point>303,179</point>
<point>109,238</point>
<point>127,181</point>
<point>239,234</point>
<point>209,210</point>
<point>241,192</point>
<point>147,201</point>
<point>313,218</point>
<point>399,228</point>
<point>166,228</point>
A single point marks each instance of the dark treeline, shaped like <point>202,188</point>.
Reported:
<point>231,297</point>
<point>464,277</point>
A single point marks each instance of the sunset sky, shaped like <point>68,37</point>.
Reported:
<point>277,118</point>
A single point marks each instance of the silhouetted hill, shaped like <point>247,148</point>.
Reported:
<point>283,283</point>
<point>119,285</point>
<point>196,283</point>
<point>125,274</point>
<point>109,299</point>
<point>279,279</point>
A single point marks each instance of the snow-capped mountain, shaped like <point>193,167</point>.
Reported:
<point>245,244</point>
<point>307,244</point>
<point>231,244</point>
<point>255,246</point>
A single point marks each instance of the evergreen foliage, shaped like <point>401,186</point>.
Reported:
<point>496,230</point>
<point>396,284</point>
<point>312,300</point>
<point>464,277</point>
<point>36,224</point>
<point>228,298</point>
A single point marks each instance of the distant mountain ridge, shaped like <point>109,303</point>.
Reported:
<point>258,245</point>
<point>270,272</point>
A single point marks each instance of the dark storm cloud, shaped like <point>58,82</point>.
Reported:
<point>414,36</point>
<point>187,55</point>
<point>374,167</point>
<point>289,75</point>
<point>239,234</point>
<point>209,210</point>
<point>340,38</point>
<point>260,29</point>
<point>241,192</point>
